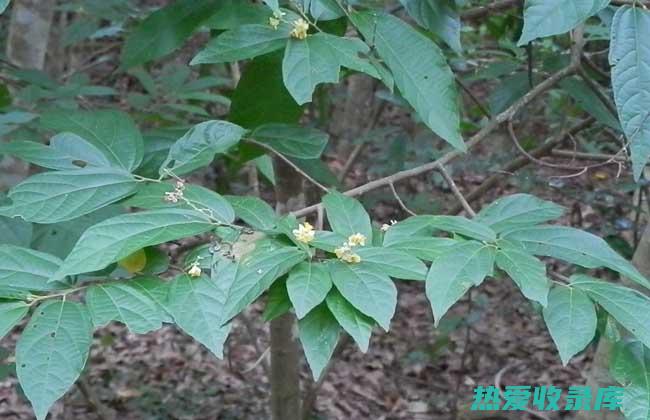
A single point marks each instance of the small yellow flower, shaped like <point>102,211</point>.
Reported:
<point>195,270</point>
<point>351,258</point>
<point>305,233</point>
<point>171,197</point>
<point>344,253</point>
<point>274,22</point>
<point>341,251</point>
<point>357,239</point>
<point>300,28</point>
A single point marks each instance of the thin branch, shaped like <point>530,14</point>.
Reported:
<point>473,97</point>
<point>400,202</point>
<point>290,163</point>
<point>473,141</point>
<point>454,189</point>
<point>598,157</point>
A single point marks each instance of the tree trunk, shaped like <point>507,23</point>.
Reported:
<point>29,32</point>
<point>598,375</point>
<point>285,353</point>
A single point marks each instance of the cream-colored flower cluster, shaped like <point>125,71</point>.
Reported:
<point>177,194</point>
<point>346,252</point>
<point>300,28</point>
<point>305,233</point>
<point>276,19</point>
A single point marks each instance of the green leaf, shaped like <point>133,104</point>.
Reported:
<point>455,272</point>
<point>589,102</point>
<point>261,96</point>
<point>628,306</point>
<point>318,59</point>
<point>424,226</point>
<point>197,305</point>
<point>439,17</point>
<point>124,303</point>
<point>232,14</point>
<point>59,238</point>
<point>392,262</point>
<point>552,17</point>
<point>308,285</point>
<point>630,365</point>
<point>358,325</point>
<point>254,211</point>
<point>26,269</point>
<point>319,333</point>
<point>112,132</point>
<point>629,57</point>
<point>571,319</point>
<point>3,5</point>
<point>244,42</point>
<point>518,210</point>
<point>291,140</point>
<point>198,146</point>
<point>15,231</point>
<point>277,301</point>
<point>347,216</point>
<point>574,246</point>
<point>256,273</point>
<point>120,236</point>
<point>165,30</point>
<point>327,241</point>
<point>424,248</point>
<point>264,165</point>
<point>372,293</point>
<point>510,89</point>
<point>66,151</point>
<point>11,313</point>
<point>156,290</point>
<point>420,71</point>
<point>151,196</point>
<point>52,352</point>
<point>52,197</point>
<point>323,9</point>
<point>528,272</point>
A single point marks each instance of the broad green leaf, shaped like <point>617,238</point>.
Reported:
<point>232,14</point>
<point>628,306</point>
<point>273,5</point>
<point>347,216</point>
<point>261,97</point>
<point>420,71</point>
<point>277,301</point>
<point>66,151</point>
<point>528,272</point>
<point>197,305</point>
<point>264,165</point>
<point>323,9</point>
<point>510,89</point>
<point>112,132</point>
<point>416,226</point>
<point>152,196</point>
<point>629,57</point>
<point>355,323</point>
<point>52,197</point>
<point>11,313</point>
<point>392,262</point>
<point>574,246</point>
<point>244,42</point>
<point>308,285</point>
<point>165,30</point>
<point>571,319</point>
<point>198,146</point>
<point>372,293</point>
<point>59,238</point>
<point>3,5</point>
<point>256,273</point>
<point>439,17</point>
<point>319,333</point>
<point>291,140</point>
<point>424,226</point>
<point>52,352</point>
<point>589,102</point>
<point>318,59</point>
<point>26,269</point>
<point>15,231</point>
<point>120,236</point>
<point>424,248</point>
<point>552,17</point>
<point>630,366</point>
<point>124,303</point>
<point>327,241</point>
<point>157,290</point>
<point>518,210</point>
<point>254,211</point>
<point>455,272</point>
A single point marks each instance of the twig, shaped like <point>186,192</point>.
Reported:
<point>454,189</point>
<point>400,202</point>
<point>587,156</point>
<point>290,163</point>
<point>473,97</point>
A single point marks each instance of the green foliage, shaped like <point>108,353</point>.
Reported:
<point>318,333</point>
<point>293,141</point>
<point>439,17</point>
<point>347,216</point>
<point>528,272</point>
<point>308,285</point>
<point>630,366</point>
